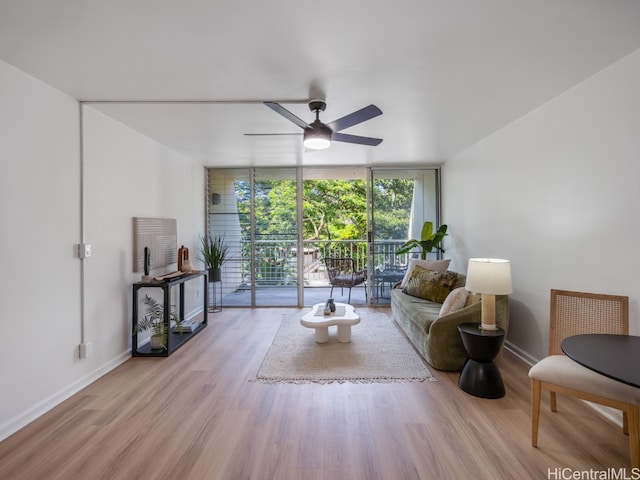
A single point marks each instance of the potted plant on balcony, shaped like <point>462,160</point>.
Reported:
<point>214,251</point>
<point>153,321</point>
<point>428,241</point>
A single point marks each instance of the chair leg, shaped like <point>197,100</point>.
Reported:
<point>634,435</point>
<point>349,301</point>
<point>553,401</point>
<point>535,410</point>
<point>625,422</point>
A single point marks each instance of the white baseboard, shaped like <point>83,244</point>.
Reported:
<point>22,420</point>
<point>521,354</point>
<point>194,313</point>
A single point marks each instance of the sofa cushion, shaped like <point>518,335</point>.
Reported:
<point>436,265</point>
<point>429,284</point>
<point>456,300</point>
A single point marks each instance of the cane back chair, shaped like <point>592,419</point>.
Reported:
<point>575,313</point>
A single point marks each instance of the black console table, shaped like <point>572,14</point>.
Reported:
<point>174,339</point>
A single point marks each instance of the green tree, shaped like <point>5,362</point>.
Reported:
<point>332,209</point>
<point>392,200</point>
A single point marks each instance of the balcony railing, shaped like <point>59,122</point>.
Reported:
<point>276,260</point>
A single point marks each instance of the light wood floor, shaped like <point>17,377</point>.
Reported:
<point>200,415</point>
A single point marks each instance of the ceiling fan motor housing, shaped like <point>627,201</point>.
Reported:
<point>318,136</point>
<point>320,128</point>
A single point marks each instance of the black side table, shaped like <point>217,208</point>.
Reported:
<point>480,376</point>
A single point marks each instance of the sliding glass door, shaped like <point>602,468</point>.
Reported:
<point>334,206</point>
<point>281,223</point>
<point>401,201</point>
<point>275,237</point>
<point>255,210</point>
<point>229,217</point>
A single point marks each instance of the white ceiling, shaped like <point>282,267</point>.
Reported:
<point>446,73</point>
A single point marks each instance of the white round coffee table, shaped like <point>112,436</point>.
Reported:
<point>344,316</point>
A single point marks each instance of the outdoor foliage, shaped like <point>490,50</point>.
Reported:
<point>332,210</point>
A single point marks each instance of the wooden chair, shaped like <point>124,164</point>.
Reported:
<point>342,273</point>
<point>575,313</point>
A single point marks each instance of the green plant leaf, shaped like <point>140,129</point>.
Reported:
<point>153,320</point>
<point>427,230</point>
<point>213,251</point>
<point>428,241</point>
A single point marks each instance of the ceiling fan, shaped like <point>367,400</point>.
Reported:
<point>318,135</point>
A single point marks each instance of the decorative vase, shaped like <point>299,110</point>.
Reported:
<point>215,275</point>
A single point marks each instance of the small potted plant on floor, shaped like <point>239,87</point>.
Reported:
<point>213,251</point>
<point>153,321</point>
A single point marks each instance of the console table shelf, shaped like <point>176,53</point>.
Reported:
<point>174,340</point>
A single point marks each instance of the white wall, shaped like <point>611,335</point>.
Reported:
<point>128,175</point>
<point>556,192</point>
<point>40,284</point>
<point>40,217</point>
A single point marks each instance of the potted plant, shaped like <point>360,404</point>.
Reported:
<point>428,241</point>
<point>214,251</point>
<point>153,320</point>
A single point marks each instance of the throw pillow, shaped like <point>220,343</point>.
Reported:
<point>429,284</point>
<point>435,265</point>
<point>455,301</point>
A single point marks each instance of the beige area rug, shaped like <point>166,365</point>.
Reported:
<point>378,353</point>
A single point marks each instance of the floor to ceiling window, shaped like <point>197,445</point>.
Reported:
<point>280,223</point>
<point>401,201</point>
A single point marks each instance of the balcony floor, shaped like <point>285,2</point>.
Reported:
<point>287,296</point>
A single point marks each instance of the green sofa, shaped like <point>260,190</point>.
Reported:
<point>436,338</point>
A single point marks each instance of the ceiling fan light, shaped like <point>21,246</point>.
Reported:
<point>317,138</point>
<point>316,143</point>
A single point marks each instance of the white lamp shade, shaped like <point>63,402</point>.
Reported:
<point>489,276</point>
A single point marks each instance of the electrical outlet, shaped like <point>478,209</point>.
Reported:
<point>86,349</point>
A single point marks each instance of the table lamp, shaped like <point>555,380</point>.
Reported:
<point>490,277</point>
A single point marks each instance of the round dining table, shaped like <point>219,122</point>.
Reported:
<point>615,356</point>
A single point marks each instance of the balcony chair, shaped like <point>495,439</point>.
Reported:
<point>342,273</point>
<point>574,313</point>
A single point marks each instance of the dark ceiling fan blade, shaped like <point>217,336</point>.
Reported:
<point>276,107</point>
<point>270,134</point>
<point>343,137</point>
<point>354,118</point>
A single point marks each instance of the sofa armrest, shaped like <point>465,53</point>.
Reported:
<point>447,324</point>
<point>445,347</point>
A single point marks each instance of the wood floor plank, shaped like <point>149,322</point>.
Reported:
<point>201,414</point>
